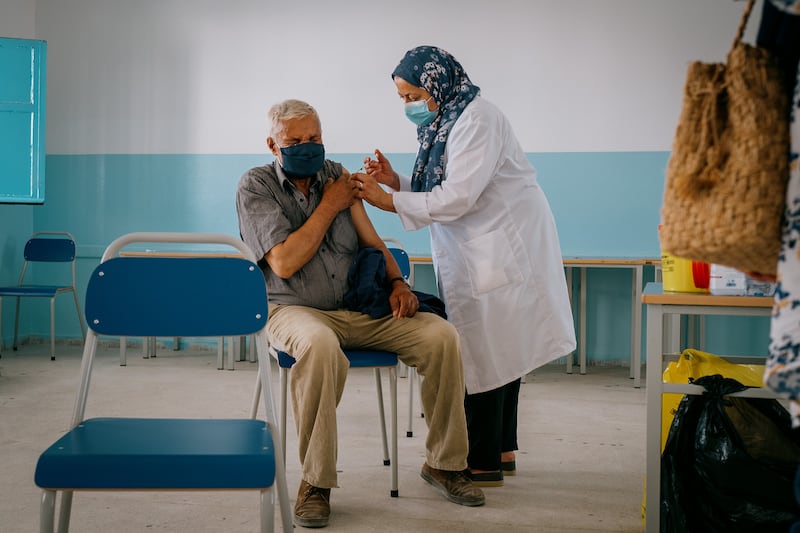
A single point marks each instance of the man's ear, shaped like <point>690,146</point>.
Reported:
<point>273,146</point>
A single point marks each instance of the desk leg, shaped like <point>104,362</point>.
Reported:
<point>655,324</point>
<point>671,334</point>
<point>572,307</point>
<point>636,327</point>
<point>582,322</point>
<point>702,326</point>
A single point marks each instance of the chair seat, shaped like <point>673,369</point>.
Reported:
<point>134,453</point>
<point>32,290</point>
<point>359,358</point>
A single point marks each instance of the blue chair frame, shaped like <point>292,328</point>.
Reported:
<point>44,247</point>
<point>156,296</point>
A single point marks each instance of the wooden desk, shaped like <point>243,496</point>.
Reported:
<point>668,307</point>
<point>636,265</point>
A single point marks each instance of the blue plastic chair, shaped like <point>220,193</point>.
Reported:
<point>359,358</point>
<point>156,296</point>
<point>44,247</point>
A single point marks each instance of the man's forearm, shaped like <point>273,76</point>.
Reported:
<point>302,244</point>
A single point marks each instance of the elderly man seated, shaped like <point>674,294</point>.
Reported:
<point>302,215</point>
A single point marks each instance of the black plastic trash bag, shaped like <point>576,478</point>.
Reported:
<point>729,463</point>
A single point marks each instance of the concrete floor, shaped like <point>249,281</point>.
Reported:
<point>580,464</point>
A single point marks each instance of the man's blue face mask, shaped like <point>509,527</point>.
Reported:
<point>303,160</point>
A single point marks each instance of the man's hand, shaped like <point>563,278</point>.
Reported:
<point>340,193</point>
<point>404,302</point>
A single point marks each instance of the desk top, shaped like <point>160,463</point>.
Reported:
<point>579,261</point>
<point>609,261</point>
<point>654,294</point>
<point>182,254</point>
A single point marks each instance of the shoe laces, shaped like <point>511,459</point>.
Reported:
<point>311,490</point>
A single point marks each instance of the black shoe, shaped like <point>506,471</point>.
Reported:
<point>509,468</point>
<point>486,479</point>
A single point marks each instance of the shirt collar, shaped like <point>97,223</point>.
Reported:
<point>284,180</point>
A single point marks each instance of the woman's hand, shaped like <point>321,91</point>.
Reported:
<point>380,169</point>
<point>370,190</point>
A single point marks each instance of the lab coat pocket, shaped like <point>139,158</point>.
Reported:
<point>490,262</point>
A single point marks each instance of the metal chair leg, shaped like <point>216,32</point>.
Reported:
<point>53,328</point>
<point>16,327</point>
<point>394,493</point>
<point>123,351</point>
<point>382,416</point>
<point>47,511</point>
<point>65,511</point>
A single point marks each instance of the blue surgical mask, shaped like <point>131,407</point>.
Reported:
<point>418,113</point>
<point>303,160</point>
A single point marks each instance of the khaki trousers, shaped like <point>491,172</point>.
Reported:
<point>315,338</point>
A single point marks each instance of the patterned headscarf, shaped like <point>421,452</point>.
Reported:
<point>438,72</point>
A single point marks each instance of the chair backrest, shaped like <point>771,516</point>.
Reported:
<point>50,249</point>
<point>403,262</point>
<point>194,295</point>
<point>401,256</point>
<point>185,297</point>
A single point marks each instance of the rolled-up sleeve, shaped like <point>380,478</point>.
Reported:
<point>262,222</point>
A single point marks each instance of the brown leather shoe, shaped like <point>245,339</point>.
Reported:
<point>313,507</point>
<point>454,485</point>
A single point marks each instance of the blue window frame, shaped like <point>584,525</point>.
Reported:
<point>23,67</point>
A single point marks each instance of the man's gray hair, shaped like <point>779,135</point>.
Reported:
<point>286,110</point>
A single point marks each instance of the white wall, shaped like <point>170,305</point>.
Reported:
<point>196,76</point>
<point>17,19</point>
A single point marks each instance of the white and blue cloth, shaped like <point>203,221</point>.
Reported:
<point>783,364</point>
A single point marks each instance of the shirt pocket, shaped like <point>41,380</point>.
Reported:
<point>491,263</point>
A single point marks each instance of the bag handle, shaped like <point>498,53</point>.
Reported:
<point>743,23</point>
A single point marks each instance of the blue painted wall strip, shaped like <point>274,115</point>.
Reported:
<point>605,204</point>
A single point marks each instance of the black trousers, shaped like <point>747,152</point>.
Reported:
<point>492,425</point>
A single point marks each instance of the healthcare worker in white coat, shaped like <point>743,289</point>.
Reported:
<point>494,244</point>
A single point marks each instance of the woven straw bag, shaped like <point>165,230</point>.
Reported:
<point>726,176</point>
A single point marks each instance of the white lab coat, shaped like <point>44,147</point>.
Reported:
<point>495,252</point>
